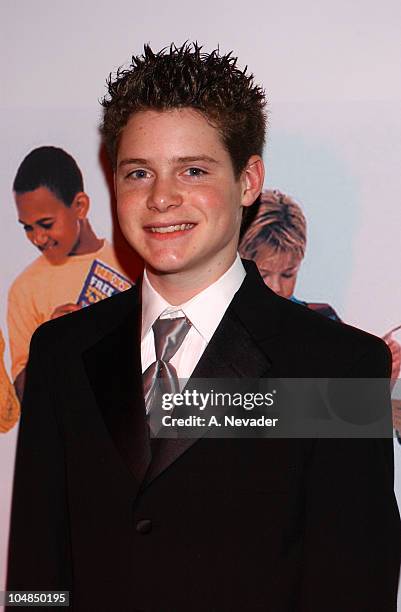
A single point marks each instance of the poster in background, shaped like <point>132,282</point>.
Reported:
<point>334,144</point>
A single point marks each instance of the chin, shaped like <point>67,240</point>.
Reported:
<point>165,260</point>
<point>54,259</point>
<point>165,266</point>
<point>162,270</point>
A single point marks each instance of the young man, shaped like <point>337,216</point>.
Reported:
<point>52,209</point>
<point>172,525</point>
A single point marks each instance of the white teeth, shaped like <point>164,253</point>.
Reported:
<point>172,228</point>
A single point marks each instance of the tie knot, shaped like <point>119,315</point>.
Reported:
<point>169,335</point>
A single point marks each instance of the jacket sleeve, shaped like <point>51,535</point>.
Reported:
<point>39,545</point>
<point>352,536</point>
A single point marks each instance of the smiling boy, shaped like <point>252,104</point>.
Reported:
<point>174,171</point>
<point>52,208</point>
<point>164,525</point>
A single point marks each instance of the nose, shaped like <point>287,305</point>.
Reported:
<point>164,195</point>
<point>274,282</point>
<point>39,237</point>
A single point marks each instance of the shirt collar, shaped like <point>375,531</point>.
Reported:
<point>198,309</point>
<point>153,305</point>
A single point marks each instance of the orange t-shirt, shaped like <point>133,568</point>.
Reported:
<point>9,404</point>
<point>40,289</point>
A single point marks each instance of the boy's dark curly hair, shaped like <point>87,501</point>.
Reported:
<point>182,77</point>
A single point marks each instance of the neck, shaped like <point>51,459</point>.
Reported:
<point>178,288</point>
<point>88,242</point>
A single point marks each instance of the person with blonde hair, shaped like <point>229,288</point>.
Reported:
<point>274,237</point>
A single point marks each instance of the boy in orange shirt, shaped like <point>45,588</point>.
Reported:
<point>52,207</point>
<point>9,405</point>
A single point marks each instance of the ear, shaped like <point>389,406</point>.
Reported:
<point>252,178</point>
<point>80,204</point>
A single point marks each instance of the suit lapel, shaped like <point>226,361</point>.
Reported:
<point>113,366</point>
<point>233,352</point>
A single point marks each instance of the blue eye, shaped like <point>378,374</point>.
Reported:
<point>195,171</point>
<point>137,174</point>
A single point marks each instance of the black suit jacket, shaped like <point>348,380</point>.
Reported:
<point>280,525</point>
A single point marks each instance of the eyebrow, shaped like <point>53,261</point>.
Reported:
<point>195,158</point>
<point>43,220</point>
<point>282,271</point>
<point>180,160</point>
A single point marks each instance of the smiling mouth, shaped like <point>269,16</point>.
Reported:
<point>47,247</point>
<point>169,229</point>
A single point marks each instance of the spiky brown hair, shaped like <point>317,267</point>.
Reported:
<point>187,77</point>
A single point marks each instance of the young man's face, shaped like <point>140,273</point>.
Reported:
<point>179,203</point>
<point>49,224</point>
<point>279,269</point>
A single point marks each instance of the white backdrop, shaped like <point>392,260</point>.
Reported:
<point>331,71</point>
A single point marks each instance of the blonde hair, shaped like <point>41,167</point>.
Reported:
<point>279,223</point>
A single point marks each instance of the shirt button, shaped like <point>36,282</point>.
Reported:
<point>144,526</point>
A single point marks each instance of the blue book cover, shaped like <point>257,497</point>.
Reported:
<point>102,282</point>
